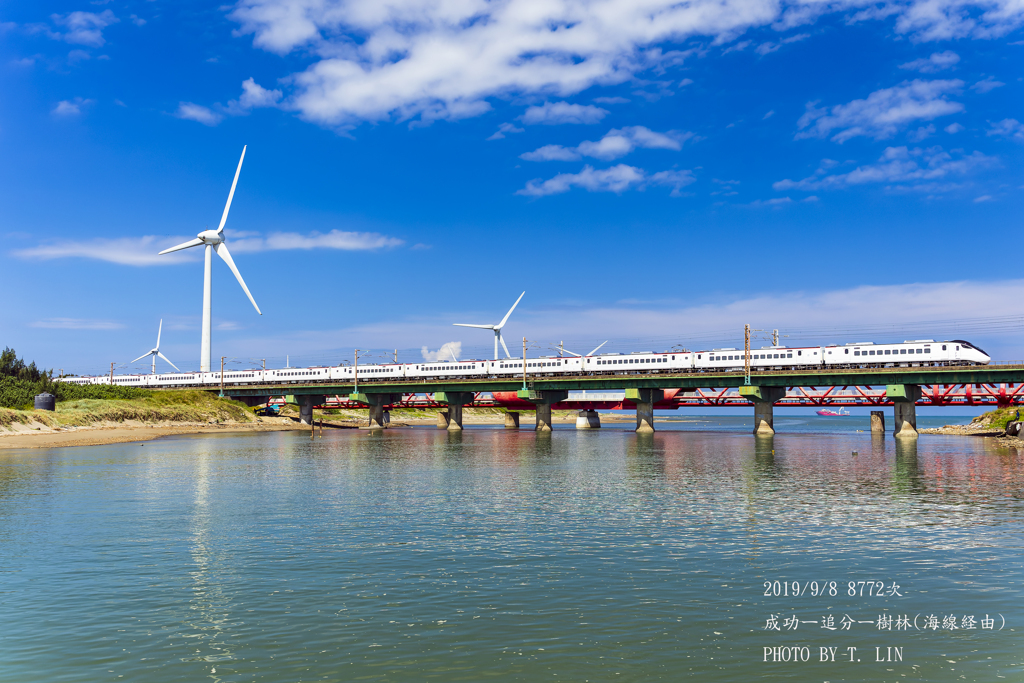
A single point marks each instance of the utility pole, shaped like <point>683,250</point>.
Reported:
<point>775,337</point>
<point>746,355</point>
<point>264,364</point>
<point>560,345</point>
<point>396,356</point>
<point>111,374</point>
<point>524,363</point>
<point>355,372</point>
<point>222,376</point>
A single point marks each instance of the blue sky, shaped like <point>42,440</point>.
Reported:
<point>648,173</point>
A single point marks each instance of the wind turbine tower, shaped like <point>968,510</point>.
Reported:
<point>213,240</point>
<point>497,328</point>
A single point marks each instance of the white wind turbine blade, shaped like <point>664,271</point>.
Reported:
<point>158,331</point>
<point>505,319</point>
<point>482,327</point>
<point>222,251</point>
<point>571,353</point>
<point>184,245</point>
<point>150,353</point>
<point>598,346</point>
<point>502,340</point>
<point>453,354</point>
<point>231,195</point>
<point>168,362</point>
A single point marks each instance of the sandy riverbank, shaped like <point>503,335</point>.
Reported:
<point>29,436</point>
<point>38,435</point>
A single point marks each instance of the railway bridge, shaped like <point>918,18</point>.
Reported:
<point>903,388</point>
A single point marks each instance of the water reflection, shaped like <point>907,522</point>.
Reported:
<point>402,554</point>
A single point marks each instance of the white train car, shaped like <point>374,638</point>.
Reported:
<point>640,361</point>
<point>909,353</point>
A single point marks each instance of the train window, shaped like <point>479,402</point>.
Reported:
<point>887,352</point>
<point>927,349</point>
<point>789,356</point>
<point>903,351</point>
<point>799,353</point>
<point>920,350</point>
<point>673,357</point>
<point>845,350</point>
<point>856,353</point>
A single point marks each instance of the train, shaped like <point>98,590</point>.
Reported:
<point>911,353</point>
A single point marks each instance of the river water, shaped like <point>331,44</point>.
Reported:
<point>515,556</point>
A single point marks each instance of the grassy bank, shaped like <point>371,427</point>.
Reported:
<point>997,419</point>
<point>156,406</point>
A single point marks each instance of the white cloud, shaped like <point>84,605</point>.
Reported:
<point>621,100</point>
<point>934,63</point>
<point>903,168</point>
<point>335,239</point>
<point>769,47</point>
<point>618,142</point>
<point>197,112</point>
<point>921,133</point>
<point>883,112</point>
<point>255,95</point>
<point>1008,128</point>
<point>983,198</point>
<point>75,324</point>
<point>556,113</point>
<point>402,59</point>
<point>505,128</point>
<point>71,107</point>
<point>987,85</point>
<point>953,128</point>
<point>551,153</point>
<point>616,179</point>
<point>447,350</point>
<point>84,28</point>
<point>143,251</point>
<point>777,202</point>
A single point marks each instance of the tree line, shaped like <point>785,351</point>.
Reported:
<point>21,382</point>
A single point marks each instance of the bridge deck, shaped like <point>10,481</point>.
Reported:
<point>986,374</point>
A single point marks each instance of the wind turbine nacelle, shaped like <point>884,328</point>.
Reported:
<point>210,237</point>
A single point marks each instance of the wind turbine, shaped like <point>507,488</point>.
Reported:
<point>156,350</point>
<point>214,241</point>
<point>497,328</point>
<point>560,348</point>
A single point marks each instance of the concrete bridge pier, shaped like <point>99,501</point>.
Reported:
<point>877,422</point>
<point>588,419</point>
<point>904,398</point>
<point>442,419</point>
<point>455,401</point>
<point>511,420</point>
<point>543,399</point>
<point>306,403</point>
<point>764,399</point>
<point>375,403</point>
<point>644,400</point>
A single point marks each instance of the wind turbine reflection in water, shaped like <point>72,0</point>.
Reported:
<point>213,240</point>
